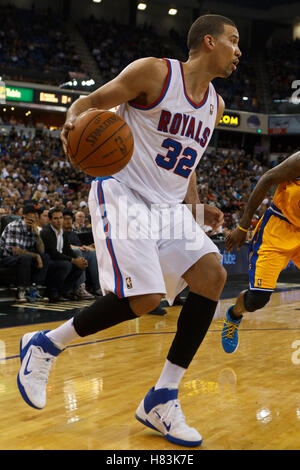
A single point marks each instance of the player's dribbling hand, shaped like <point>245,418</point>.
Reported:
<point>68,125</point>
<point>235,239</point>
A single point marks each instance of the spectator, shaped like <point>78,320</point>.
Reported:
<point>65,268</point>
<point>83,230</point>
<point>42,217</point>
<point>22,248</point>
<point>79,222</point>
<point>88,252</point>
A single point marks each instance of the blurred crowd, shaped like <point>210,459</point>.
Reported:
<point>239,90</point>
<point>28,38</point>
<point>35,174</point>
<point>114,45</point>
<point>283,66</point>
<point>226,179</point>
<point>34,168</point>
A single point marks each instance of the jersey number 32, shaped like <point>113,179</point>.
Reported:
<point>182,161</point>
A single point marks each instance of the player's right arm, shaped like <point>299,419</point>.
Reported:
<point>288,170</point>
<point>141,81</point>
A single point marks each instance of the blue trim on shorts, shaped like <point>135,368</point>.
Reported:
<point>102,178</point>
<point>119,285</point>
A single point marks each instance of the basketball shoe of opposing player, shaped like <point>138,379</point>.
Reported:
<point>230,337</point>
<point>160,410</point>
<point>37,354</point>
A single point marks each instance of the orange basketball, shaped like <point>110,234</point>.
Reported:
<point>101,143</point>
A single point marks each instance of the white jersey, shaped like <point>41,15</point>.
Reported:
<point>170,137</point>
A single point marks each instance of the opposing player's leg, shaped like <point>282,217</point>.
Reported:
<point>247,301</point>
<point>267,257</point>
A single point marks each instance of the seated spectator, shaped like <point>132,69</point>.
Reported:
<point>65,268</point>
<point>22,248</point>
<point>83,230</point>
<point>42,217</point>
<point>18,211</point>
<point>88,252</point>
<point>79,222</point>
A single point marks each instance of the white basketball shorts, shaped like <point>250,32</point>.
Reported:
<point>142,248</point>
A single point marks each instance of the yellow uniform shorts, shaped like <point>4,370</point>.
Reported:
<point>274,244</point>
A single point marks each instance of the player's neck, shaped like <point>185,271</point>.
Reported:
<point>197,76</point>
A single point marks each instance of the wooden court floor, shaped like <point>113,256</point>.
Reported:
<point>247,400</point>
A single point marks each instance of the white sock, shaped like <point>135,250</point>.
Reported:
<point>63,335</point>
<point>171,375</point>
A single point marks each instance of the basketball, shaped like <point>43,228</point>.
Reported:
<point>101,143</point>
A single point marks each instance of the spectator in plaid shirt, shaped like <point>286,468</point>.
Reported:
<point>22,248</point>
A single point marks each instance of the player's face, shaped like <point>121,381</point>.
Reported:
<point>227,51</point>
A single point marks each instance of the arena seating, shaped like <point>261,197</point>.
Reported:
<point>35,47</point>
<point>283,67</point>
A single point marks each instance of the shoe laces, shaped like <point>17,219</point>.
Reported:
<point>229,328</point>
<point>41,364</point>
<point>173,413</point>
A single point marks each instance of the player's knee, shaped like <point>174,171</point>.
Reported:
<point>142,304</point>
<point>216,277</point>
<point>221,276</point>
<point>255,299</point>
<point>206,278</point>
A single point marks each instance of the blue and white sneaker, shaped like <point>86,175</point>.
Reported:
<point>230,337</point>
<point>160,410</point>
<point>37,354</point>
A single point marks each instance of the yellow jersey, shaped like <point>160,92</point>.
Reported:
<point>287,200</point>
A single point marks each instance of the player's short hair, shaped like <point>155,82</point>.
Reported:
<point>206,24</point>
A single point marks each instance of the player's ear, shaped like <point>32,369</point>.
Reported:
<point>209,41</point>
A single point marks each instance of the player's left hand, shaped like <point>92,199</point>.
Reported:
<point>67,127</point>
<point>213,216</point>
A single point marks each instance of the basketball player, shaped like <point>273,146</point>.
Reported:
<point>275,241</point>
<point>172,109</point>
